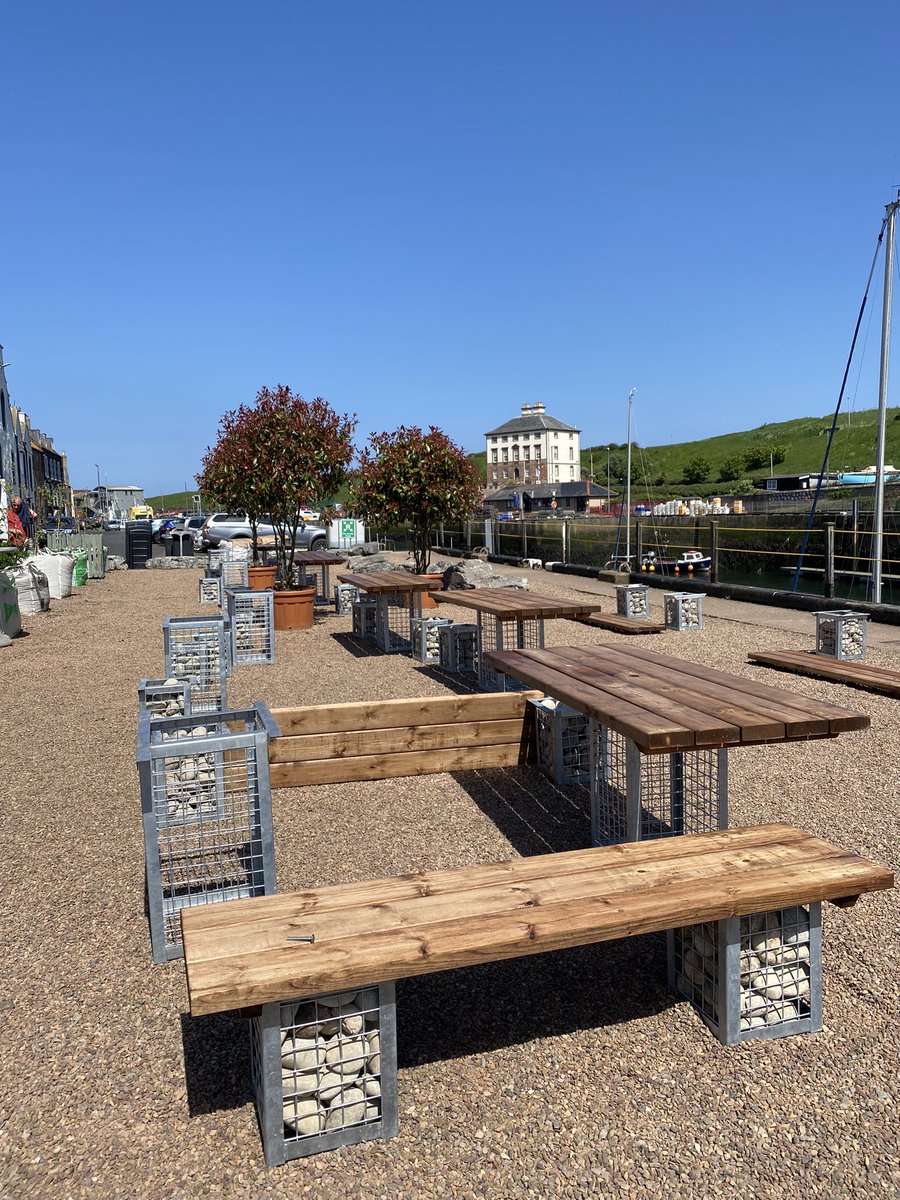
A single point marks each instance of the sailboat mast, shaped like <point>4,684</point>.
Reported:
<point>628,484</point>
<point>878,535</point>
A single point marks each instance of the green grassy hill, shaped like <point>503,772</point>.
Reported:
<point>802,442</point>
<point>180,501</point>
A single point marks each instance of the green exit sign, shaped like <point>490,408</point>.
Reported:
<point>348,529</point>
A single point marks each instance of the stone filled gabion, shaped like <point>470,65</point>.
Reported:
<point>633,601</point>
<point>364,619</point>
<point>210,590</point>
<point>164,698</point>
<point>683,611</point>
<point>841,634</point>
<point>426,638</point>
<point>345,596</point>
<point>459,648</point>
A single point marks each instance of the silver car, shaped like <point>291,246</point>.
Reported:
<point>231,526</point>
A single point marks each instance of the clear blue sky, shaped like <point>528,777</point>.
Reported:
<point>430,213</point>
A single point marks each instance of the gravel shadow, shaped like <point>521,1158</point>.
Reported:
<point>462,685</point>
<point>533,814</point>
<point>216,1062</point>
<point>483,1008</point>
<point>355,647</point>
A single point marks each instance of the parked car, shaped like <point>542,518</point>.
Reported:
<point>61,525</point>
<point>234,526</point>
<point>161,527</point>
<point>114,525</point>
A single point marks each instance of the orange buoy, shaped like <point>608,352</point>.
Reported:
<point>690,567</point>
<point>676,569</point>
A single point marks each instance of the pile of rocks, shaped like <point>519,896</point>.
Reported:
<point>331,1063</point>
<point>682,611</point>
<point>160,703</point>
<point>190,779</point>
<point>841,635</point>
<point>115,562</point>
<point>473,573</point>
<point>633,601</point>
<point>172,563</point>
<point>426,638</point>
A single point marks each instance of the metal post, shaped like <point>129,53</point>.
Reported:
<point>565,538</point>
<point>877,537</point>
<point>632,792</point>
<point>829,560</point>
<point>638,544</point>
<point>714,551</point>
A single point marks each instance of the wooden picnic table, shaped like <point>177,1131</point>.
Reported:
<point>497,609</point>
<point>663,703</point>
<point>398,603</point>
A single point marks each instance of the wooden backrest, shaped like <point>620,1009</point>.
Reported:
<point>237,954</point>
<point>337,743</point>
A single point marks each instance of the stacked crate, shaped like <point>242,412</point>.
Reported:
<point>251,615</point>
<point>198,652</point>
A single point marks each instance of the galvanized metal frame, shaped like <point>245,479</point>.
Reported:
<point>234,573</point>
<point>345,595</point>
<point>251,615</point>
<point>364,619</point>
<point>317,576</point>
<point>198,651</point>
<point>710,966</point>
<point>635,796</point>
<point>215,558</point>
<point>268,1034</point>
<point>394,615</point>
<point>420,627</point>
<point>494,633</point>
<point>153,692</point>
<point>678,611</point>
<point>230,834</point>
<point>210,590</point>
<point>633,601</point>
<point>563,742</point>
<point>459,648</point>
<point>831,628</point>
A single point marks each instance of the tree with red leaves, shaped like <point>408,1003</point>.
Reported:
<point>415,479</point>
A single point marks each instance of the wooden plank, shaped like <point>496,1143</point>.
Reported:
<point>620,624</point>
<point>619,895</point>
<point>757,720</point>
<point>395,766</point>
<point>839,720</point>
<point>394,714</point>
<point>646,729</point>
<point>380,582</point>
<point>353,744</point>
<point>855,674</point>
<point>514,604</point>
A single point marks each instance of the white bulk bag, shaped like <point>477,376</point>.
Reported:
<point>59,569</point>
<point>10,617</point>
<point>33,589</point>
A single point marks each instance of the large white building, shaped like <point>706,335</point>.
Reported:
<point>533,448</point>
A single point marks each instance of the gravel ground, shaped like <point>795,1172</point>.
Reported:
<point>571,1074</point>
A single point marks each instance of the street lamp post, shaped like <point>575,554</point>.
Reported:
<point>99,500</point>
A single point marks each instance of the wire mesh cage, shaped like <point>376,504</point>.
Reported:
<point>497,634</point>
<point>752,977</point>
<point>234,573</point>
<point>251,615</point>
<point>394,613</point>
<point>345,596</point>
<point>426,638</point>
<point>364,619</point>
<point>637,796</point>
<point>207,814</point>
<point>198,651</point>
<point>633,601</point>
<point>210,590</point>
<point>215,558</point>
<point>164,698</point>
<point>842,633</point>
<point>316,576</point>
<point>458,646</point>
<point>683,610</point>
<point>324,1071</point>
<point>563,743</point>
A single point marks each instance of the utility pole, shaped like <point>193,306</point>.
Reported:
<point>628,484</point>
<point>878,533</point>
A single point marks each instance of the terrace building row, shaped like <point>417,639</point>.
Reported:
<point>30,465</point>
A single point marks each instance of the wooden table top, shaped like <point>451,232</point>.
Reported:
<point>319,558</point>
<point>237,953</point>
<point>381,582</point>
<point>663,703</point>
<point>514,604</point>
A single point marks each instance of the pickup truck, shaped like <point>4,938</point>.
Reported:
<point>234,526</point>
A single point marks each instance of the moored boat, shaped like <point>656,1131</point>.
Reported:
<point>690,563</point>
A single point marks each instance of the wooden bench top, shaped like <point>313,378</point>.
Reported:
<point>319,558</point>
<point>837,670</point>
<point>514,604</point>
<point>663,703</point>
<point>379,583</point>
<point>620,624</point>
<point>237,954</point>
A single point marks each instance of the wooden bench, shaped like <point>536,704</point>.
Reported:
<point>620,624</point>
<point>327,995</point>
<point>835,670</point>
<point>340,743</point>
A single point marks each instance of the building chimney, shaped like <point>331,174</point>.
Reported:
<point>539,407</point>
<point>526,410</point>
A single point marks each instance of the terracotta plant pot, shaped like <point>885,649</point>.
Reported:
<point>261,579</point>
<point>294,610</point>
<point>427,599</point>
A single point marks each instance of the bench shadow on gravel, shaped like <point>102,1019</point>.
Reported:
<point>216,1062</point>
<point>354,646</point>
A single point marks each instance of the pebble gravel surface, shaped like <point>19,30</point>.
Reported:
<point>573,1074</point>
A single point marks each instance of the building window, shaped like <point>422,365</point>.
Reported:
<point>526,453</point>
<point>515,453</point>
<point>506,455</point>
<point>571,452</point>
<point>493,456</point>
<point>555,435</point>
<point>515,473</point>
<point>505,438</point>
<point>494,476</point>
<point>537,454</point>
<point>555,453</point>
<point>527,471</point>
